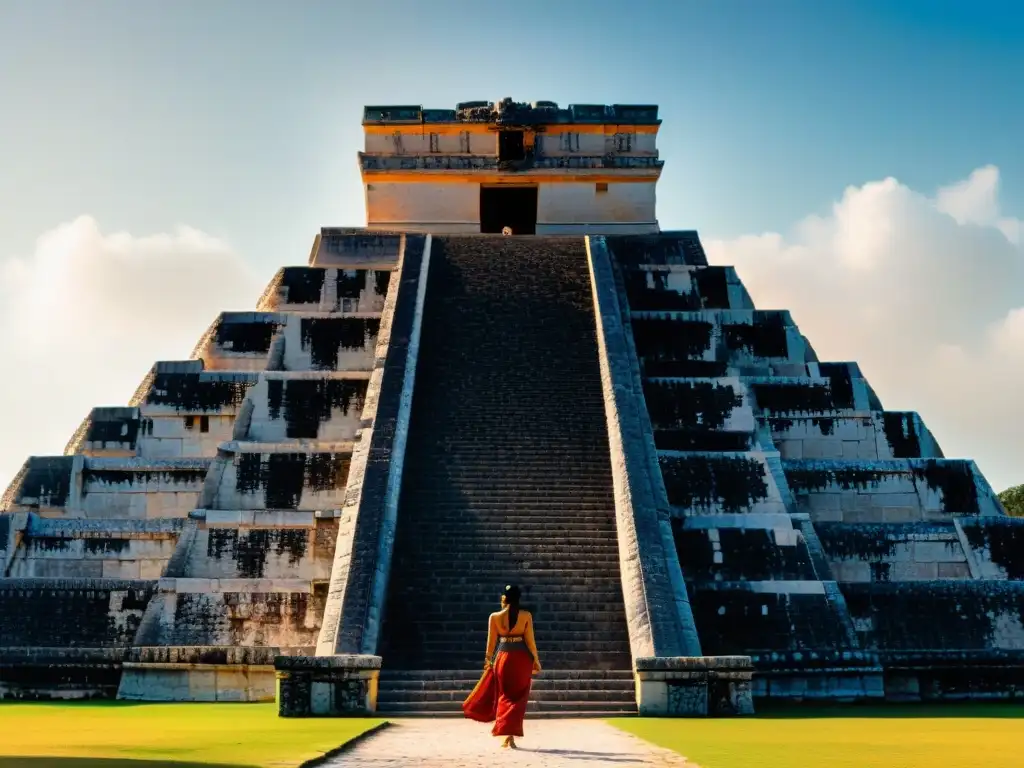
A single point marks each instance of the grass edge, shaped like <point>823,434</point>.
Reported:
<point>342,748</point>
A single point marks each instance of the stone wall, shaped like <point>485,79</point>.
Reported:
<point>281,476</point>
<point>95,549</point>
<point>71,613</point>
<point>894,551</point>
<point>995,546</point>
<point>293,406</point>
<point>895,491</point>
<point>971,615</point>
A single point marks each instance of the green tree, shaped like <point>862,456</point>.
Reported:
<point>1013,500</point>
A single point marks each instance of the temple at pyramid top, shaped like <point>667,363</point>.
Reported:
<point>535,168</point>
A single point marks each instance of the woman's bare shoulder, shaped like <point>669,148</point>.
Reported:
<point>527,614</point>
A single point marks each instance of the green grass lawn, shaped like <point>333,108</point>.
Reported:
<point>942,736</point>
<point>126,735</point>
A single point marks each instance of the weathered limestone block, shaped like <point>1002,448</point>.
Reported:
<point>706,482</point>
<point>282,476</point>
<point>743,554</point>
<point>700,414</point>
<point>248,552</point>
<point>953,615</point>
<point>768,616</point>
<point>674,287</point>
<point>309,289</point>
<point>330,342</point>
<point>307,406</point>
<point>351,247</point>
<point>669,343</point>
<point>238,341</point>
<point>107,431</point>
<point>198,674</point>
<point>997,546</point>
<point>809,675</point>
<point>893,551</point>
<point>900,491</point>
<point>931,675</point>
<point>685,686</point>
<point>669,248</point>
<point>327,686</point>
<point>56,673</point>
<point>93,612</point>
<point>234,612</point>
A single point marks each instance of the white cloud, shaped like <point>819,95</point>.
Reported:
<point>926,293</point>
<point>87,313</point>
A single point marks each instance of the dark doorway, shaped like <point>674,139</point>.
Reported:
<point>514,207</point>
<point>511,145</point>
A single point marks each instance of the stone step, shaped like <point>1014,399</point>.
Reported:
<point>473,658</point>
<point>548,677</point>
<point>389,695</point>
<point>546,615</point>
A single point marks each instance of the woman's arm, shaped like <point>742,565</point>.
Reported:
<point>492,640</point>
<point>531,642</point>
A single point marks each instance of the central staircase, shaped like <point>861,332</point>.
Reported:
<point>507,479</point>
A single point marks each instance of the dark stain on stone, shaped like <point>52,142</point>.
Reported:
<point>124,431</point>
<point>700,481</point>
<point>686,369</point>
<point>667,339</point>
<point>764,337</point>
<point>351,283</point>
<point>659,249</point>
<point>302,285</point>
<point>747,555</point>
<point>734,619</point>
<point>713,286</point>
<point>381,281</point>
<point>643,296</point>
<point>275,397</point>
<point>842,384</point>
<point>901,433</point>
<point>48,479</point>
<point>310,402</point>
<point>1004,540</point>
<point>106,546</point>
<point>804,479</point>
<point>250,548</point>
<point>328,471</point>
<point>951,614</point>
<point>189,476</point>
<point>955,480</point>
<point>245,337</point>
<point>824,424</point>
<point>283,476</point>
<point>701,440</point>
<point>198,392</point>
<point>325,336</point>
<point>860,541</point>
<point>786,397</point>
<point>71,613</point>
<point>284,480</point>
<point>50,543</point>
<point>690,404</point>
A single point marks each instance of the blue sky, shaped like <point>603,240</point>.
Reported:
<point>240,119</point>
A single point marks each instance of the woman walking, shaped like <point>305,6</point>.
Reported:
<point>512,658</point>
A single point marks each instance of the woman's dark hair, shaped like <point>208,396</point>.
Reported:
<point>512,595</point>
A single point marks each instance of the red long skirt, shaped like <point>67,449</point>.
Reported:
<point>514,675</point>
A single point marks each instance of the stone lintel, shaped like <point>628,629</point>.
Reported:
<point>694,686</point>
<point>327,686</point>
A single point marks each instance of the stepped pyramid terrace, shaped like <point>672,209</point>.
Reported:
<point>324,501</point>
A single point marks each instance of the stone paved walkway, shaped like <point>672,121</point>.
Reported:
<point>454,743</point>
